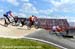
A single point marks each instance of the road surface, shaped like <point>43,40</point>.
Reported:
<point>45,35</point>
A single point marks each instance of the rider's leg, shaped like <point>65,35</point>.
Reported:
<point>6,17</point>
<point>22,23</point>
<point>28,24</point>
<point>6,23</point>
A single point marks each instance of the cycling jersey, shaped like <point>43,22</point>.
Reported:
<point>8,13</point>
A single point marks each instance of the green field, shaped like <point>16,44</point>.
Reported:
<point>6,43</point>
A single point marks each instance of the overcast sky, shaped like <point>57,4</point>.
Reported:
<point>40,8</point>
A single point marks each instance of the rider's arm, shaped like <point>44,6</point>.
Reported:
<point>11,14</point>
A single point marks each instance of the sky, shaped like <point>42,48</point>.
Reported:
<point>40,8</point>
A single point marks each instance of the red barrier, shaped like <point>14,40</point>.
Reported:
<point>49,23</point>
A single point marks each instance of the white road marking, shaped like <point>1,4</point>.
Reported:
<point>14,37</point>
<point>47,42</point>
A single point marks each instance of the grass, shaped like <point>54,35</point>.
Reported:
<point>6,43</point>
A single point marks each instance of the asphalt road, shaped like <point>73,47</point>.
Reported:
<point>45,35</point>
